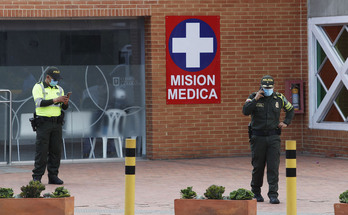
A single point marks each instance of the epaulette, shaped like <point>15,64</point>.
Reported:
<point>279,95</point>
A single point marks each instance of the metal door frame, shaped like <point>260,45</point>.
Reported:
<point>9,161</point>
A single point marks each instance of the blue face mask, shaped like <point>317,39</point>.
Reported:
<point>268,92</point>
<point>53,83</point>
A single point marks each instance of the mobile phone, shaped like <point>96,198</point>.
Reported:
<point>68,95</point>
<point>262,90</point>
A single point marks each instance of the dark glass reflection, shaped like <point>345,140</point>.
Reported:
<point>342,46</point>
<point>342,101</point>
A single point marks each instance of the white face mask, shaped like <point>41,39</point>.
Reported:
<point>268,92</point>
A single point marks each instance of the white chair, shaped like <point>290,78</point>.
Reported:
<point>77,125</point>
<point>25,130</point>
<point>116,122</point>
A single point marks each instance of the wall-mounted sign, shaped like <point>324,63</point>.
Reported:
<point>193,59</point>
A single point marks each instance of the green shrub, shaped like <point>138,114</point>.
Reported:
<point>48,195</point>
<point>241,194</point>
<point>60,192</point>
<point>32,190</point>
<point>344,197</point>
<point>188,193</point>
<point>214,192</point>
<point>6,192</point>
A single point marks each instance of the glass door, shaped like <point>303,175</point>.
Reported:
<point>102,64</point>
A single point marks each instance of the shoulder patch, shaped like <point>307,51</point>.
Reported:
<point>280,95</point>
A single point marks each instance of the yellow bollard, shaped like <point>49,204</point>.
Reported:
<point>291,208</point>
<point>130,177</point>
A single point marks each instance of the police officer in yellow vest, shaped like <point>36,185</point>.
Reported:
<point>49,101</point>
<point>265,106</point>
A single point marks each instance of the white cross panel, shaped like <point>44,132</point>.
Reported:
<point>317,34</point>
<point>193,45</point>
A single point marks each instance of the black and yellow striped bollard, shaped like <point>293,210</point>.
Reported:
<point>130,177</point>
<point>291,208</point>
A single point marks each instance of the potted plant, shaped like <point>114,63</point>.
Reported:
<point>239,202</point>
<point>342,207</point>
<point>30,201</point>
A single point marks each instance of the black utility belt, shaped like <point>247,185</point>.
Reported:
<point>50,119</point>
<point>266,132</point>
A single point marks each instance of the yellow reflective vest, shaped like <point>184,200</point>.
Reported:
<point>42,92</point>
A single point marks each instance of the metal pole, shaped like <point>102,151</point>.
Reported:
<point>10,130</point>
<point>291,208</point>
<point>130,177</point>
<point>9,125</point>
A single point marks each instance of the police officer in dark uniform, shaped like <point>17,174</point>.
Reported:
<point>265,106</point>
<point>49,101</point>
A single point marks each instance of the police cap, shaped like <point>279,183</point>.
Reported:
<point>267,81</point>
<point>54,73</point>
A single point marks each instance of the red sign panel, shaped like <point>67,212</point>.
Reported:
<point>193,59</point>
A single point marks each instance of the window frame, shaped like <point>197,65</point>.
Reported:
<point>317,34</point>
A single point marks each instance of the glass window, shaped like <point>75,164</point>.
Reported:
<point>342,102</point>
<point>328,45</point>
<point>332,32</point>
<point>341,45</point>
<point>102,64</point>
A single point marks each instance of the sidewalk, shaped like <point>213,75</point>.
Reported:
<point>99,187</point>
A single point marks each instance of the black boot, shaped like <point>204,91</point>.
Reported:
<point>274,200</point>
<point>54,180</point>
<point>259,198</point>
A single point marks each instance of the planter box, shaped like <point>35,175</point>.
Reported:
<point>341,208</point>
<point>37,206</point>
<point>210,206</point>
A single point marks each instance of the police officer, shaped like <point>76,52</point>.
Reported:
<point>49,101</point>
<point>265,106</point>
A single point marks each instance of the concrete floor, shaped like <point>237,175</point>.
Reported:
<point>99,187</point>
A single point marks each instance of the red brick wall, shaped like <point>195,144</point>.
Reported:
<point>74,8</point>
<point>258,37</point>
<point>326,142</point>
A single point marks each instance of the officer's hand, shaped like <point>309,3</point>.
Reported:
<point>58,99</point>
<point>259,94</point>
<point>65,100</point>
<point>282,125</point>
